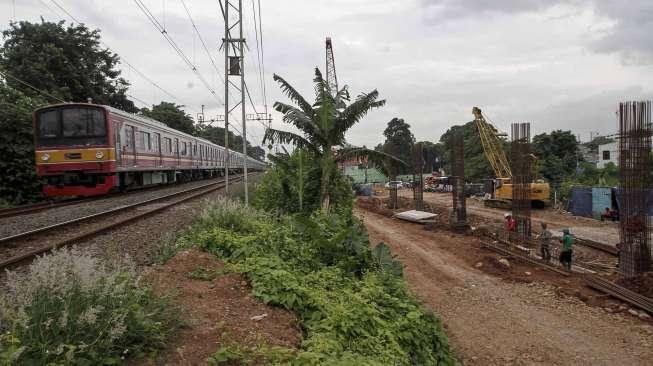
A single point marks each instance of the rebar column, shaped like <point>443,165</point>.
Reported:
<point>418,173</point>
<point>521,159</point>
<point>634,187</point>
<point>459,217</point>
<point>393,201</point>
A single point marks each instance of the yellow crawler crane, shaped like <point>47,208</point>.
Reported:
<point>496,156</point>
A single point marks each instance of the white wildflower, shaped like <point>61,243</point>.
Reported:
<point>89,316</point>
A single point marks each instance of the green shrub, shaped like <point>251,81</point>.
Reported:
<point>70,308</point>
<point>18,181</point>
<point>292,186</point>
<point>351,300</point>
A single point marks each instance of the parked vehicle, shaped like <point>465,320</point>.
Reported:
<point>397,184</point>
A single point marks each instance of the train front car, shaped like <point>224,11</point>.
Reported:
<point>74,150</point>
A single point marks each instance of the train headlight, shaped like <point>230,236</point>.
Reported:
<point>99,155</point>
<point>45,157</point>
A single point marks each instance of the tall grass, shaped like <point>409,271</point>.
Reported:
<point>72,308</point>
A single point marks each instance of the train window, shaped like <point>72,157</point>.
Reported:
<point>48,124</point>
<point>167,144</point>
<point>83,122</point>
<point>184,151</point>
<point>155,142</point>
<point>129,136</point>
<point>195,149</point>
<point>144,141</point>
<point>177,146</point>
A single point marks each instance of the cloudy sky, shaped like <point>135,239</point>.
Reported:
<point>556,64</point>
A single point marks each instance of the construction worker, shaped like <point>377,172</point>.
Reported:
<point>566,253</point>
<point>545,239</point>
<point>510,225</point>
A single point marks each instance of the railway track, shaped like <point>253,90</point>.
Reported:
<point>36,207</point>
<point>27,245</point>
<point>49,205</point>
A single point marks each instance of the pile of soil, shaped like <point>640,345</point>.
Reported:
<point>642,284</point>
<point>218,310</point>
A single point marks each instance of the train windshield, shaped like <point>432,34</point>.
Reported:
<point>71,126</point>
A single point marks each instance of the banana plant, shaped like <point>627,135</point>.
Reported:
<point>323,125</point>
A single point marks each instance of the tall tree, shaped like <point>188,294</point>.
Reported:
<point>67,62</point>
<point>477,166</point>
<point>172,115</point>
<point>18,181</point>
<point>215,134</point>
<point>557,154</point>
<point>399,142</point>
<point>433,155</point>
<point>323,125</point>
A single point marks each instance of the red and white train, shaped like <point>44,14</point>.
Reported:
<point>85,149</point>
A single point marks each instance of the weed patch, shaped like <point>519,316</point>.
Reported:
<point>259,354</point>
<point>70,308</point>
<point>205,274</point>
<point>352,301</point>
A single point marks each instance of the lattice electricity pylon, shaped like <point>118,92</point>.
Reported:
<point>332,79</point>
<point>521,159</point>
<point>635,187</point>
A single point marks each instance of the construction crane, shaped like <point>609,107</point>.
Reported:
<point>496,156</point>
<point>331,78</point>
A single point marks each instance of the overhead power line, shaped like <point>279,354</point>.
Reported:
<point>260,28</point>
<point>6,74</point>
<point>161,29</point>
<point>258,50</point>
<point>122,58</point>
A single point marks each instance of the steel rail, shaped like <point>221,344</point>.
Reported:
<point>42,206</point>
<point>33,253</point>
<point>523,258</point>
<point>37,207</point>
<point>620,292</point>
<point>100,214</point>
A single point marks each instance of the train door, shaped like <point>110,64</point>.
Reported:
<point>117,147</point>
<point>129,149</point>
<point>158,148</point>
<point>177,152</point>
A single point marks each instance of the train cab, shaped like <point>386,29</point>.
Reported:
<point>74,151</point>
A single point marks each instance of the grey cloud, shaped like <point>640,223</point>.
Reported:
<point>452,9</point>
<point>631,36</point>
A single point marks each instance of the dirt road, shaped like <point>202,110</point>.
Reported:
<point>494,322</point>
<point>583,227</point>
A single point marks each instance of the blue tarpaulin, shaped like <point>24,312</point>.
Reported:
<point>601,199</point>
<point>580,201</point>
<point>617,192</point>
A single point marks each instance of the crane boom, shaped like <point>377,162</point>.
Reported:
<point>492,145</point>
<point>331,77</point>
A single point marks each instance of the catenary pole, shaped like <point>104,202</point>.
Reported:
<point>225,44</point>
<point>242,96</point>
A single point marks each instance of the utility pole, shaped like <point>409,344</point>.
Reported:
<point>242,96</point>
<point>225,43</point>
<point>234,66</point>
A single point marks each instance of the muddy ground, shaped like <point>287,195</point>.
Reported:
<point>218,310</point>
<point>516,315</point>
<point>605,232</point>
